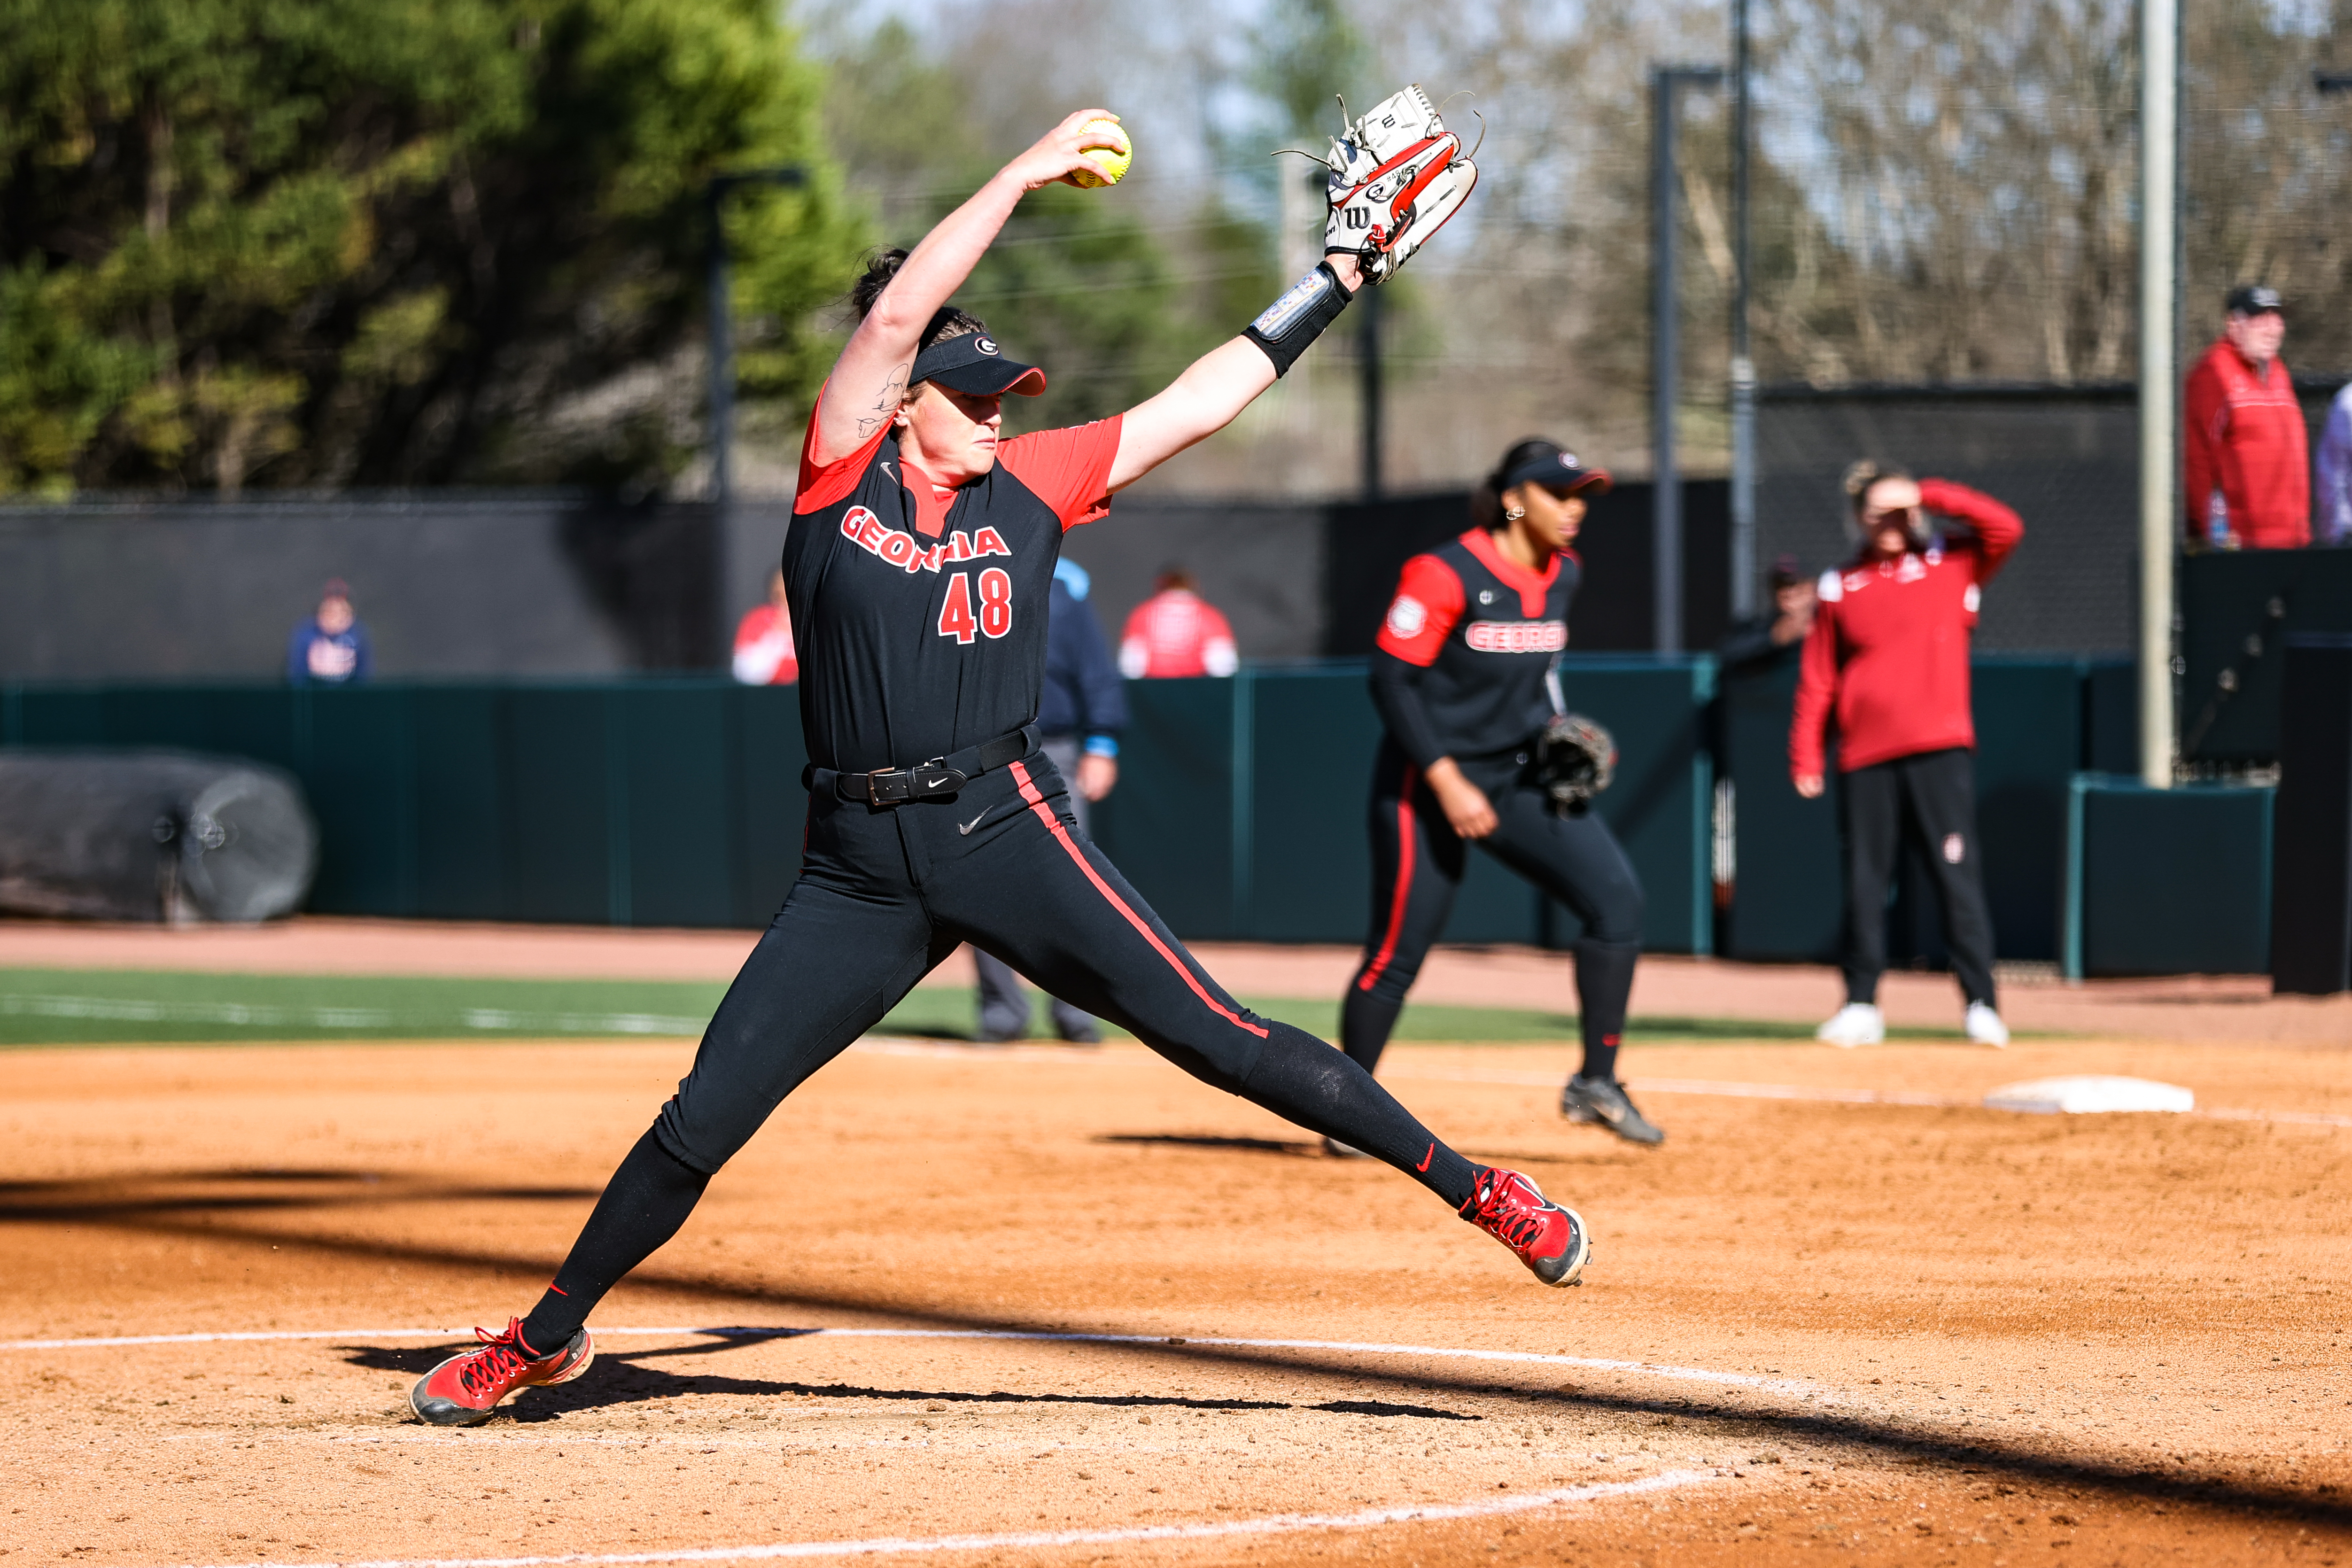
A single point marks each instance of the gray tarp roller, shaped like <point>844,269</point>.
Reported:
<point>152,835</point>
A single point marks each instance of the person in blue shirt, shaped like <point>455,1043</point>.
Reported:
<point>2332,479</point>
<point>1080,712</point>
<point>331,648</point>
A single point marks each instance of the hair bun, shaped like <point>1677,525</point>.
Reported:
<point>880,267</point>
<point>1859,477</point>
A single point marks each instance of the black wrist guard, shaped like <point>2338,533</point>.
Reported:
<point>1285,327</point>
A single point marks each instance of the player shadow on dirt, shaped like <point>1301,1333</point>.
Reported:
<point>1613,1152</point>
<point>1285,1146</point>
<point>623,1378</point>
<point>158,1195</point>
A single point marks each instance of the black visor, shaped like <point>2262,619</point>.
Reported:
<point>972,363</point>
<point>1559,472</point>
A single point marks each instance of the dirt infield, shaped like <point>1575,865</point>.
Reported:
<point>1815,1330</point>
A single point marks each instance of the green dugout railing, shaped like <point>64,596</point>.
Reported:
<point>1240,811</point>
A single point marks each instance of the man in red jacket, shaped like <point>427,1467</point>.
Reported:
<point>2244,452</point>
<point>1889,653</point>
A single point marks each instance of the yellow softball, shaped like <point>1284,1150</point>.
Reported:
<point>1111,161</point>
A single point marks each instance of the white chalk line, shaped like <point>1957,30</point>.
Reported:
<point>1799,1387</point>
<point>902,1545</point>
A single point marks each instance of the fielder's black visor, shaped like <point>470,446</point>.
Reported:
<point>1559,473</point>
<point>973,364</point>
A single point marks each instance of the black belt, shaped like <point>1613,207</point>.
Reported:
<point>924,781</point>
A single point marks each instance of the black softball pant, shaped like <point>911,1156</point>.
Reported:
<point>884,896</point>
<point>1929,798</point>
<point>1417,863</point>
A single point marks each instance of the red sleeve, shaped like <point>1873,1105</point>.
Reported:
<point>2208,412</point>
<point>1998,528</point>
<point>822,485</point>
<point>1816,689</point>
<point>1428,602</point>
<point>1069,469</point>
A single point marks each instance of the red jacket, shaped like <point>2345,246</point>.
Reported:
<point>1889,646</point>
<point>1176,633</point>
<point>2243,439</point>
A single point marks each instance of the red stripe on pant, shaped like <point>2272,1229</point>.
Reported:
<point>1405,835</point>
<point>1054,824</point>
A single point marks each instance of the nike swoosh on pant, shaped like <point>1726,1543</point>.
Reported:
<point>965,827</point>
<point>1425,1159</point>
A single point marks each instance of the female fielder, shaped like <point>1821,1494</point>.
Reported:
<point>1889,654</point>
<point>1461,677</point>
<point>919,564</point>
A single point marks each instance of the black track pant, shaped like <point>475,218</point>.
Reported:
<point>883,897</point>
<point>1417,861</point>
<point>1929,798</point>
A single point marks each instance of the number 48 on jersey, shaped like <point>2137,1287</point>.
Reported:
<point>995,616</point>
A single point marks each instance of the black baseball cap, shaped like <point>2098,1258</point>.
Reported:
<point>972,362</point>
<point>1557,469</point>
<point>2256,299</point>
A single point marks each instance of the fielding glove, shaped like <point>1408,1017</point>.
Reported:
<point>1397,175</point>
<point>1575,760</point>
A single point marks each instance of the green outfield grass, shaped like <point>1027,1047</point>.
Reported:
<point>82,1006</point>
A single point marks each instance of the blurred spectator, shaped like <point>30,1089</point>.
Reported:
<point>1176,633</point>
<point>331,648</point>
<point>1775,638</point>
<point>1887,659</point>
<point>1080,713</point>
<point>763,641</point>
<point>2334,473</point>
<point>2246,456</point>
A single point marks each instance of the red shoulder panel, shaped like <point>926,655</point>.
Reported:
<point>1428,604</point>
<point>1068,470</point>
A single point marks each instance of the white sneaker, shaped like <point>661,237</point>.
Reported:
<point>1984,1025</point>
<point>1855,1023</point>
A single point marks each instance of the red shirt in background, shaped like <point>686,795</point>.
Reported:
<point>764,648</point>
<point>1889,647</point>
<point>1176,633</point>
<point>2244,441</point>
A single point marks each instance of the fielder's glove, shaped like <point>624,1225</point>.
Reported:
<point>1397,175</point>
<point>1575,760</point>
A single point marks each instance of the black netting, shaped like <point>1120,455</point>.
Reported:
<point>2067,459</point>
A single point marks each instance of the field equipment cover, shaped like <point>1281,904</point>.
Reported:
<point>151,836</point>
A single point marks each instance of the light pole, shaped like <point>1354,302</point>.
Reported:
<point>721,313</point>
<point>1666,83</point>
<point>2159,424</point>
<point>1743,362</point>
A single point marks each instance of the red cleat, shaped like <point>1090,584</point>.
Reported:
<point>464,1390</point>
<point>1549,1239</point>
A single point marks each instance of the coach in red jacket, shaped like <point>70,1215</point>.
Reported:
<point>1888,654</point>
<point>2245,454</point>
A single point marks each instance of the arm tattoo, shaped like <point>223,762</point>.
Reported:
<point>894,392</point>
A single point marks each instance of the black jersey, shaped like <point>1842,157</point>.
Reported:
<point>1483,631</point>
<point>920,610</point>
